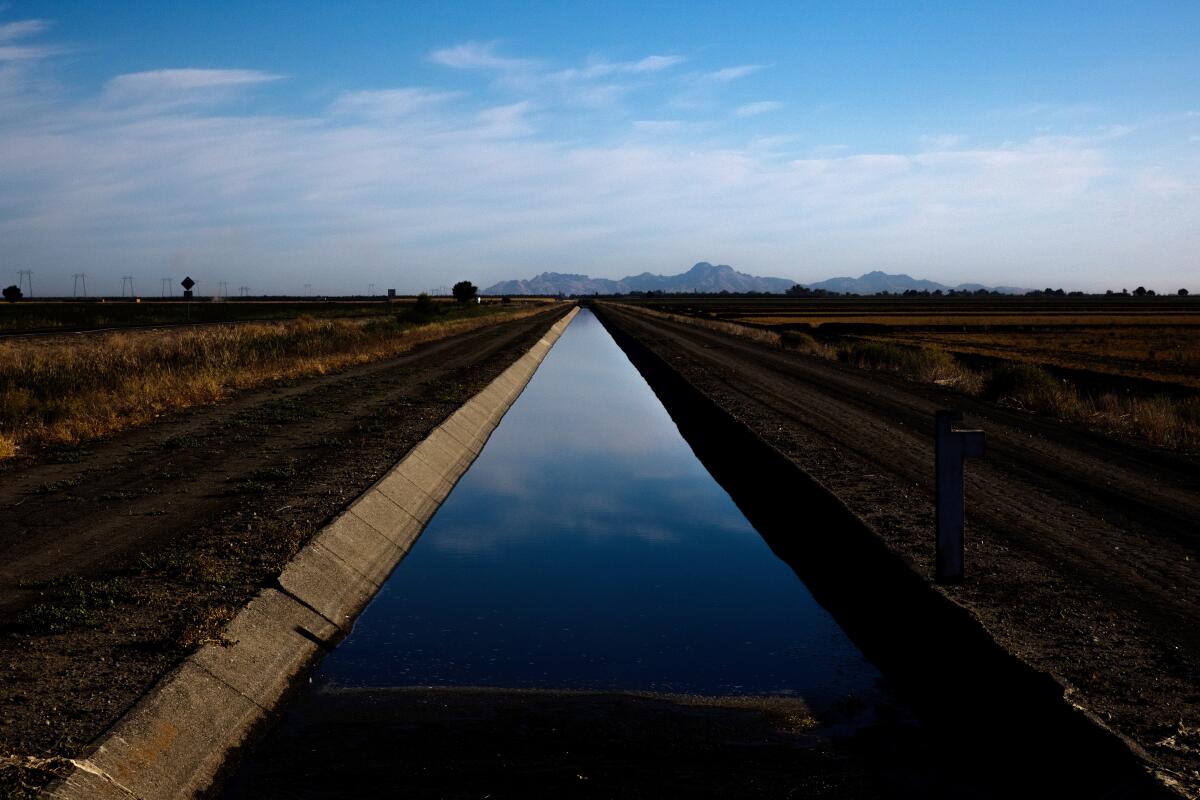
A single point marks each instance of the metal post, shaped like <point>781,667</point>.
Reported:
<point>951,448</point>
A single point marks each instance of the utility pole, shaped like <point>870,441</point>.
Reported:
<point>127,279</point>
<point>25,276</point>
<point>80,278</point>
<point>307,289</point>
<point>244,291</point>
<point>222,288</point>
<point>370,290</point>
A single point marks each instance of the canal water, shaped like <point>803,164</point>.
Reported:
<point>588,548</point>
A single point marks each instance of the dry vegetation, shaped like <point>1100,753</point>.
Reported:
<point>68,389</point>
<point>1022,381</point>
<point>1170,353</point>
<point>976,320</point>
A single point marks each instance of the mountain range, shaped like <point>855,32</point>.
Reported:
<point>703,277</point>
<point>708,278</point>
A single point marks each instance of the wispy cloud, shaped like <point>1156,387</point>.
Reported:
<point>172,80</point>
<point>729,74</point>
<point>23,29</point>
<point>757,108</point>
<point>390,102</point>
<point>478,55</point>
<point>167,87</point>
<point>11,31</point>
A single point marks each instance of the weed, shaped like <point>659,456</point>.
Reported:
<point>182,441</point>
<point>274,473</point>
<point>57,486</point>
<point>72,603</point>
<point>248,487</point>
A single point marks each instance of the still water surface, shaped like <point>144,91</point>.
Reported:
<point>588,548</point>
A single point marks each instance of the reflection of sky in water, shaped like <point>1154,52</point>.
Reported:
<point>588,548</point>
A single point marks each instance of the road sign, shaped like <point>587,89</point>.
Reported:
<point>187,283</point>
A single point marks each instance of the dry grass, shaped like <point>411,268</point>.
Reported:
<point>980,320</point>
<point>66,390</point>
<point>1169,353</point>
<point>1160,420</point>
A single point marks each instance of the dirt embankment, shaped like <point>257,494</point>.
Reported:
<point>122,555</point>
<point>1082,551</point>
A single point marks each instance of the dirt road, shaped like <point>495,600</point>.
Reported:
<point>121,555</point>
<point>1082,550</point>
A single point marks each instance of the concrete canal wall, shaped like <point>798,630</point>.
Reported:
<point>177,738</point>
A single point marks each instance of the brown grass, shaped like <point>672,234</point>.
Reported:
<point>66,390</point>
<point>1159,420</point>
<point>983,320</point>
<point>1169,353</point>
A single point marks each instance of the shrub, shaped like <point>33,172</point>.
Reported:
<point>1030,387</point>
<point>12,293</point>
<point>422,311</point>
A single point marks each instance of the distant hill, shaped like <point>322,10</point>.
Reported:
<point>707,278</point>
<point>703,277</point>
<point>876,282</point>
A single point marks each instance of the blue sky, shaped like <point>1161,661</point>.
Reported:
<point>411,144</point>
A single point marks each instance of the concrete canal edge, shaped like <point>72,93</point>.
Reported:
<point>939,656</point>
<point>176,739</point>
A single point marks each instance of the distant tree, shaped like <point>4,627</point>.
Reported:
<point>12,293</point>
<point>1183,292</point>
<point>1139,291</point>
<point>465,291</point>
<point>1149,293</point>
<point>1109,293</point>
<point>507,299</point>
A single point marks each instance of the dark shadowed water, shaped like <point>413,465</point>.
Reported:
<point>588,548</point>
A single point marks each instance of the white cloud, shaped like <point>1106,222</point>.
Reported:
<point>11,31</point>
<point>390,102</point>
<point>183,80</point>
<point>732,73</point>
<point>759,107</point>
<point>478,55</point>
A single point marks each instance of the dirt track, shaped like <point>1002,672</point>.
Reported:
<point>1082,550</point>
<point>142,546</point>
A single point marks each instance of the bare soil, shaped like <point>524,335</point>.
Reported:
<point>122,555</point>
<point>1082,550</point>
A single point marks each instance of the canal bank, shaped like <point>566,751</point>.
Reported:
<point>174,741</point>
<point>985,710</point>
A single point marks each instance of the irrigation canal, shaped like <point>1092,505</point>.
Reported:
<point>589,585</point>
<point>588,548</point>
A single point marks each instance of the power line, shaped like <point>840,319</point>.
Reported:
<point>25,276</point>
<point>167,289</point>
<point>80,278</point>
<point>124,280</point>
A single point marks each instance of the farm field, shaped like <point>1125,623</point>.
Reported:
<point>123,553</point>
<point>1122,366</point>
<point>73,315</point>
<point>62,390</point>
<point>1081,547</point>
